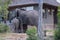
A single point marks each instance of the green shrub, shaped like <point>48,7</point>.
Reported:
<point>32,33</point>
<point>57,31</point>
<point>3,28</point>
<point>57,34</point>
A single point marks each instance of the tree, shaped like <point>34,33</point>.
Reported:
<point>40,29</point>
<point>57,31</point>
<point>4,8</point>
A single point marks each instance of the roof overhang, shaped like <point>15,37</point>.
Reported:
<point>29,2</point>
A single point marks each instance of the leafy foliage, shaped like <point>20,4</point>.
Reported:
<point>4,8</point>
<point>32,34</point>
<point>3,28</point>
<point>57,31</point>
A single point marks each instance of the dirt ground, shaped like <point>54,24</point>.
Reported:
<point>13,36</point>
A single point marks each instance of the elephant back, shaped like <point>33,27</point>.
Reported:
<point>32,16</point>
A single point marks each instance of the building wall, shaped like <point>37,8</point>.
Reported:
<point>48,19</point>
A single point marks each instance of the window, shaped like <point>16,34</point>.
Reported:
<point>28,8</point>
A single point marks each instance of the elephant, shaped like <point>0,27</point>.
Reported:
<point>15,23</point>
<point>28,17</point>
<point>25,18</point>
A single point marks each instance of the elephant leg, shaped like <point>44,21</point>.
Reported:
<point>19,28</point>
<point>16,27</point>
<point>24,27</point>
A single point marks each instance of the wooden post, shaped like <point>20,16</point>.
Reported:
<point>40,29</point>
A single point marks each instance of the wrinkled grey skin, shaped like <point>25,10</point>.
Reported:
<point>28,17</point>
<point>15,22</point>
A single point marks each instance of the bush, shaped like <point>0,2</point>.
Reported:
<point>3,28</point>
<point>57,34</point>
<point>32,33</point>
<point>57,31</point>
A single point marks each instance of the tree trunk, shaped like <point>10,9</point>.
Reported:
<point>40,27</point>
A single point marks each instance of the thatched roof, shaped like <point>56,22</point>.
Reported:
<point>27,2</point>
